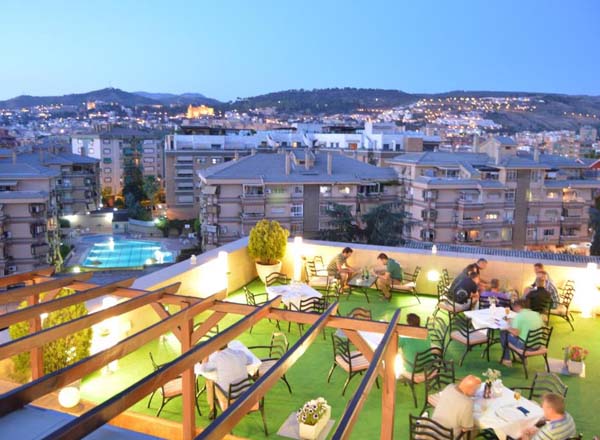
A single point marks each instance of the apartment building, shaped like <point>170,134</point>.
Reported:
<point>118,147</point>
<point>497,197</point>
<point>294,187</point>
<point>204,147</point>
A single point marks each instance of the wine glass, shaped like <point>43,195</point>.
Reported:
<point>507,313</point>
<point>517,394</point>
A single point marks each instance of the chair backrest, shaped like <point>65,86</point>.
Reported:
<point>276,278</point>
<point>437,330</point>
<point>279,345</point>
<point>426,358</point>
<point>566,296</point>
<point>446,277</point>
<point>318,262</point>
<point>485,302</point>
<point>250,298</point>
<point>154,364</point>
<point>538,338</point>
<point>547,383</point>
<point>416,273</point>
<point>341,347</point>
<point>238,388</point>
<point>312,305</point>
<point>442,290</point>
<point>462,324</point>
<point>438,375</point>
<point>334,290</point>
<point>311,269</point>
<point>424,428</point>
<point>360,313</point>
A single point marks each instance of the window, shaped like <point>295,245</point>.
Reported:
<point>494,196</point>
<point>491,235</point>
<point>368,190</point>
<point>107,170</point>
<point>509,196</point>
<point>106,141</point>
<point>276,190</point>
<point>548,232</point>
<point>536,176</point>
<point>253,190</point>
<point>215,160</point>
<point>149,169</point>
<point>428,214</point>
<point>185,199</point>
<point>325,189</point>
<point>345,190</point>
<point>298,190</point>
<point>106,150</point>
<point>492,216</point>
<point>90,150</point>
<point>215,146</point>
<point>108,179</point>
<point>552,194</point>
<point>148,150</point>
<point>427,234</point>
<point>297,211</point>
<point>429,194</point>
<point>148,160</point>
<point>107,160</point>
<point>511,175</point>
<point>295,229</point>
<point>278,210</point>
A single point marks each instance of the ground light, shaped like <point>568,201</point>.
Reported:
<point>69,397</point>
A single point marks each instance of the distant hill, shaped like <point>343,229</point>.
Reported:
<point>553,111</point>
<point>110,94</point>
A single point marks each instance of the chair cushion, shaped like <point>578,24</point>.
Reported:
<point>475,338</point>
<point>533,352</point>
<point>359,363</point>
<point>560,310</point>
<point>317,281</point>
<point>265,366</point>
<point>173,387</point>
<point>411,285</point>
<point>433,399</point>
<point>445,306</point>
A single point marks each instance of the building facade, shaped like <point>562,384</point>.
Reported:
<point>296,188</point>
<point>498,197</point>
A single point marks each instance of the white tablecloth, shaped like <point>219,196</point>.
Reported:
<point>373,339</point>
<point>293,293</point>
<point>487,416</point>
<point>252,368</point>
<point>489,318</point>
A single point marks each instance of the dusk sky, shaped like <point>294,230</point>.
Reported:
<point>226,49</point>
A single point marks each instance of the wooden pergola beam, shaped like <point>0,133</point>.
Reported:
<point>39,338</point>
<point>27,393</point>
<point>348,419</point>
<point>44,272</point>
<point>209,323</point>
<point>223,424</point>
<point>104,412</point>
<point>335,321</point>
<point>60,303</point>
<point>16,295</point>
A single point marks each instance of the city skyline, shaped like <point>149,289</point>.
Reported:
<point>208,49</point>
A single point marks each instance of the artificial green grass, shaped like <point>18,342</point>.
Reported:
<point>308,377</point>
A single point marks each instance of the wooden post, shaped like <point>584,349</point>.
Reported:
<point>189,381</point>
<point>388,394</point>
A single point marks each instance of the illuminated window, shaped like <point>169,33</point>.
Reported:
<point>492,216</point>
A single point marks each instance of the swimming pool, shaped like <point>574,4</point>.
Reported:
<point>114,253</point>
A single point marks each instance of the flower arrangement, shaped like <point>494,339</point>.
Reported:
<point>312,411</point>
<point>577,354</point>
<point>491,375</point>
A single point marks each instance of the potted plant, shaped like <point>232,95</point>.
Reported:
<point>576,356</point>
<point>493,384</point>
<point>266,245</point>
<point>312,418</point>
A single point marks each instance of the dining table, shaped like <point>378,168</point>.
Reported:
<point>492,318</point>
<point>503,413</point>
<point>293,293</point>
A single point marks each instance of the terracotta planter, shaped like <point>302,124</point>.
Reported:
<point>265,270</point>
<point>311,432</point>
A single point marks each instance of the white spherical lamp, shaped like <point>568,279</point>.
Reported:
<point>69,397</point>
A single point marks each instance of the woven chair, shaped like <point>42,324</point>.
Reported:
<point>462,331</point>
<point>424,428</point>
<point>422,361</point>
<point>408,284</point>
<point>536,344</point>
<point>438,375</point>
<point>169,390</point>
<point>234,392</point>
<point>276,349</point>
<point>563,308</point>
<point>352,362</point>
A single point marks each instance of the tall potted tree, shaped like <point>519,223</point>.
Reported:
<point>266,245</point>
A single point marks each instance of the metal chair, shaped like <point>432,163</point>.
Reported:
<point>485,302</point>
<point>255,299</point>
<point>234,392</point>
<point>360,313</point>
<point>307,305</point>
<point>169,390</point>
<point>544,382</point>
<point>562,309</point>
<point>462,331</point>
<point>536,344</point>
<point>437,330</point>
<point>438,375</point>
<point>408,284</point>
<point>276,349</point>
<point>352,362</point>
<point>422,361</point>
<point>424,428</point>
<point>334,290</point>
<point>276,278</point>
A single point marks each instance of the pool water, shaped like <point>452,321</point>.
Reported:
<point>110,253</point>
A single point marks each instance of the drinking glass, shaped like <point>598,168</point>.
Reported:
<point>517,395</point>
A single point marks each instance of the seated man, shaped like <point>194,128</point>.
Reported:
<point>525,321</point>
<point>339,268</point>
<point>411,346</point>
<point>476,267</point>
<point>391,271</point>
<point>455,406</point>
<point>465,293</point>
<point>494,291</point>
<point>538,297</point>
<point>230,366</point>
<point>559,423</point>
<point>540,273</point>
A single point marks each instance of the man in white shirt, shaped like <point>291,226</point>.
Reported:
<point>230,367</point>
